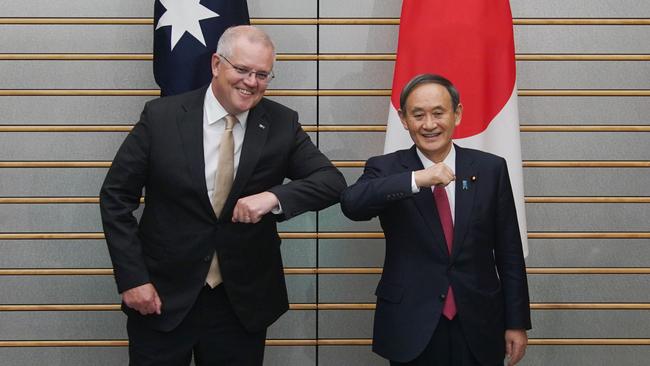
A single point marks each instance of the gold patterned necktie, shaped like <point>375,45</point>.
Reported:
<point>222,185</point>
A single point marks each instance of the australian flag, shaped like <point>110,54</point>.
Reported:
<point>185,38</point>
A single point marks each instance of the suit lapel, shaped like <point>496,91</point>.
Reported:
<point>254,139</point>
<point>465,192</point>
<point>190,126</point>
<point>425,203</point>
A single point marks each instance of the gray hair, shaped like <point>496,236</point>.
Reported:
<point>429,79</point>
<point>252,34</point>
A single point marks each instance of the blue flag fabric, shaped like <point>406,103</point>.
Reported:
<point>185,38</point>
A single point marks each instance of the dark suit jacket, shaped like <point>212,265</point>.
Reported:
<point>486,268</point>
<point>178,232</point>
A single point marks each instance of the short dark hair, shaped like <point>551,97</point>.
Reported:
<point>429,79</point>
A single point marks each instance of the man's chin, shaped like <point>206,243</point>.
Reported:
<point>244,105</point>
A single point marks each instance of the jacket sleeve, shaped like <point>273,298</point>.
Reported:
<point>315,183</point>
<point>509,257</point>
<point>375,191</point>
<point>119,197</point>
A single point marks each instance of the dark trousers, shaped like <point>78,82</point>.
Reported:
<point>211,331</point>
<point>447,347</point>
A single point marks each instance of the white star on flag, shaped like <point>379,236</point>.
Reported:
<point>184,16</point>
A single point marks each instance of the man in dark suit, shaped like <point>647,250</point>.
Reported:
<point>453,289</point>
<point>201,272</point>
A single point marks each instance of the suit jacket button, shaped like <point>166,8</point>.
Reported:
<point>443,297</point>
<point>207,258</point>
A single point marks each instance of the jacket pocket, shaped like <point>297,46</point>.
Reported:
<point>390,292</point>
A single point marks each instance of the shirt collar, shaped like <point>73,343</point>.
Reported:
<point>450,159</point>
<point>214,111</point>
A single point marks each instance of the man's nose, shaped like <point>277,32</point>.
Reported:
<point>251,79</point>
<point>430,123</point>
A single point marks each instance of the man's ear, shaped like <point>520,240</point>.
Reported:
<point>458,114</point>
<point>402,118</point>
<point>214,63</point>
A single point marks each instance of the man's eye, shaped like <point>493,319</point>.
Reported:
<point>241,70</point>
<point>262,75</point>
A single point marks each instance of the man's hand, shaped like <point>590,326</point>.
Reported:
<point>516,342</point>
<point>249,210</point>
<point>143,298</point>
<point>437,174</point>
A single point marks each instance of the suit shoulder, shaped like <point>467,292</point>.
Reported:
<point>387,159</point>
<point>174,102</point>
<point>275,107</point>
<point>483,156</point>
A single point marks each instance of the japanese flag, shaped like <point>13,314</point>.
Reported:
<point>470,42</point>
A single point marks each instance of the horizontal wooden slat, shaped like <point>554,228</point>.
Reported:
<point>339,235</point>
<point>533,306</point>
<point>55,164</point>
<point>310,57</point>
<point>95,200</point>
<point>581,57</point>
<point>156,92</point>
<point>79,343</point>
<point>66,128</point>
<point>583,92</point>
<point>327,128</point>
<point>51,236</point>
<point>590,342</point>
<point>592,270</point>
<point>584,128</point>
<point>587,199</point>
<point>532,342</point>
<point>76,56</point>
<point>327,306</point>
<point>77,21</point>
<point>581,21</point>
<point>324,271</point>
<point>78,92</point>
<point>323,92</point>
<point>104,307</point>
<point>124,343</point>
<point>588,235</point>
<point>586,164</point>
<point>590,306</point>
<point>320,21</point>
<point>61,307</point>
<point>338,342</point>
<point>122,57</point>
<point>532,164</point>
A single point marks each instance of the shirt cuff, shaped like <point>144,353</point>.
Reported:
<point>277,210</point>
<point>414,187</point>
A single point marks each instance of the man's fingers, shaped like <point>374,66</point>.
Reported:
<point>239,213</point>
<point>144,299</point>
<point>516,342</point>
<point>157,304</point>
<point>517,354</point>
<point>251,209</point>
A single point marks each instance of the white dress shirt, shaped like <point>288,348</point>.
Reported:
<point>214,124</point>
<point>449,161</point>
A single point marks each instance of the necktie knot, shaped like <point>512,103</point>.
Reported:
<point>230,121</point>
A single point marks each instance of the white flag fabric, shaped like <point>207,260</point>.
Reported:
<point>471,43</point>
